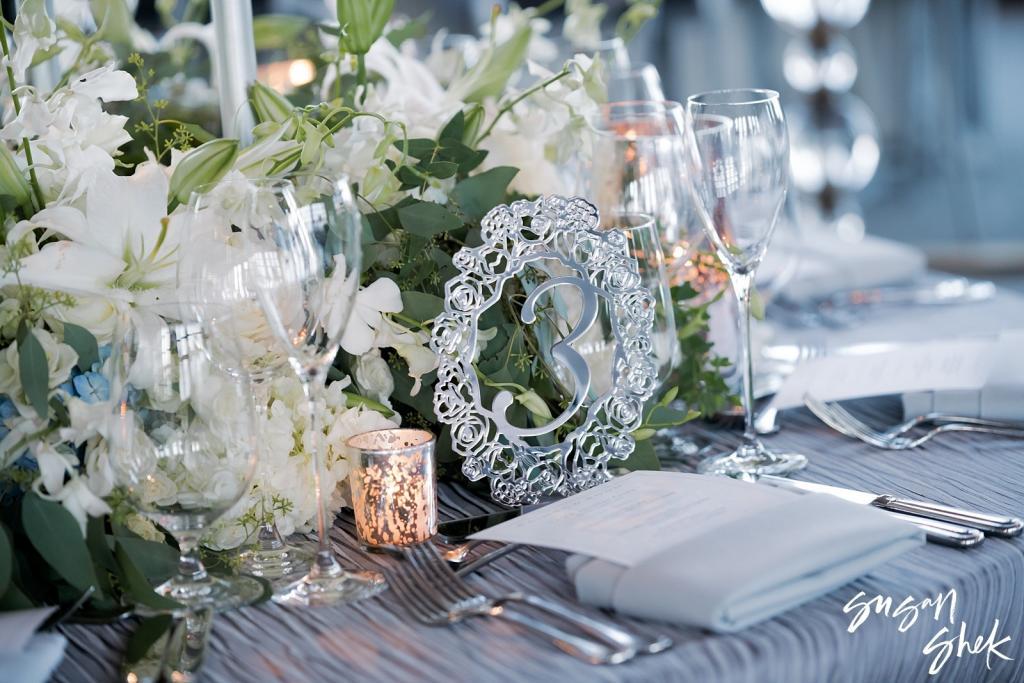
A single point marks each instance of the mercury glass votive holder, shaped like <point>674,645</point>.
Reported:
<point>394,492</point>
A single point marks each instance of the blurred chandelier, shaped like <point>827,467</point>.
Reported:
<point>833,135</point>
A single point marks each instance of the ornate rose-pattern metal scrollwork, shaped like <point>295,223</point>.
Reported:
<point>600,267</point>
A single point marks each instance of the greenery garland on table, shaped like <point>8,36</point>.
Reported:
<point>94,177</point>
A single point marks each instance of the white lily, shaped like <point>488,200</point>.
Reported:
<point>117,250</point>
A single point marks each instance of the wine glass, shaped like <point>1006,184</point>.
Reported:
<point>739,156</point>
<point>182,442</point>
<point>303,262</point>
<point>212,275</point>
<point>634,82</point>
<point>636,162</point>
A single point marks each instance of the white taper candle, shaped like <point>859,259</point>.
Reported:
<point>235,64</point>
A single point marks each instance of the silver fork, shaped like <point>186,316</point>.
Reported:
<point>928,418</point>
<point>842,421</point>
<point>427,556</point>
<point>437,604</point>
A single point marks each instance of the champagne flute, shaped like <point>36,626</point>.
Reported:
<point>739,157</point>
<point>212,276</point>
<point>182,442</point>
<point>304,264</point>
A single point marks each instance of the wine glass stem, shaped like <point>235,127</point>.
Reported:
<point>191,572</point>
<point>267,536</point>
<point>742,283</point>
<point>326,564</point>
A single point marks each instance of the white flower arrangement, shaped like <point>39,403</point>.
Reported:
<point>94,183</point>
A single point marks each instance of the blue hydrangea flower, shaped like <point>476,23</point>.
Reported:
<point>91,387</point>
<point>7,409</point>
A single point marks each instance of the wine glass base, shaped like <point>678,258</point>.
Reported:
<point>344,588</point>
<point>752,460</point>
<point>287,562</point>
<point>219,593</point>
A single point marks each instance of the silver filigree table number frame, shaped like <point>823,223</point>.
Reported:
<point>601,267</point>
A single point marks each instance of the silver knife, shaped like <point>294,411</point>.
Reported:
<point>991,524</point>
<point>943,533</point>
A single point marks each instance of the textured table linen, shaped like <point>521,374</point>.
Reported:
<point>376,641</point>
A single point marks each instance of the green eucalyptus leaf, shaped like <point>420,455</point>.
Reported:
<point>6,559</point>
<point>84,344</point>
<point>96,540</point>
<point>481,193</point>
<point>135,584</point>
<point>14,599</point>
<point>55,534</point>
<point>150,630</point>
<point>157,561</point>
<point>362,22</point>
<point>643,457</point>
<point>421,306</point>
<point>427,219</point>
<point>34,372</point>
<point>442,169</point>
<point>421,148</point>
<point>454,128</point>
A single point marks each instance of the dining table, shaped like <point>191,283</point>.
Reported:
<point>934,613</point>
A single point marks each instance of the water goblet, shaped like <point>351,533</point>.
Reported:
<point>181,438</point>
<point>212,272</point>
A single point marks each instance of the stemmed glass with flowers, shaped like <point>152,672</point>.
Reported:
<point>214,277</point>
<point>739,169</point>
<point>181,440</point>
<point>302,263</point>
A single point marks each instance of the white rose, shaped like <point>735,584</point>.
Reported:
<point>10,316</point>
<point>157,488</point>
<point>60,359</point>
<point>222,487</point>
<point>373,376</point>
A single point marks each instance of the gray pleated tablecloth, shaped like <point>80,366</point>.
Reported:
<point>376,641</point>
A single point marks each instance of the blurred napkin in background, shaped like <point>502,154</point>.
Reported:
<point>1001,397</point>
<point>823,264</point>
<point>748,570</point>
<point>27,656</point>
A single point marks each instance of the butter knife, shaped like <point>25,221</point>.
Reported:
<point>993,525</point>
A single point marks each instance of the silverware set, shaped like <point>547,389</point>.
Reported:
<point>902,436</point>
<point>957,527</point>
<point>435,595</point>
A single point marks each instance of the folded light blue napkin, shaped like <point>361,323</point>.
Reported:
<point>740,573</point>
<point>1001,397</point>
